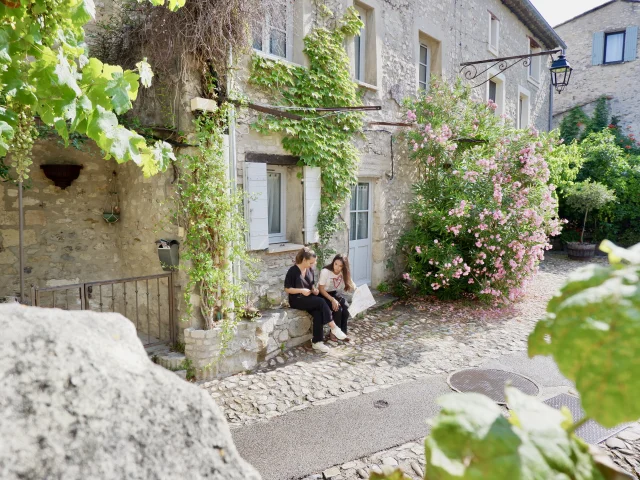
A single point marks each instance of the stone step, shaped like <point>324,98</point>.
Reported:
<point>171,361</point>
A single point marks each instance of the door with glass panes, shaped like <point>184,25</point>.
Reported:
<point>360,220</point>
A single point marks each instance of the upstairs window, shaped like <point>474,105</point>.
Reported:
<point>360,44</point>
<point>535,62</point>
<point>493,90</point>
<point>424,72</point>
<point>494,33</point>
<point>274,34</point>
<point>614,47</point>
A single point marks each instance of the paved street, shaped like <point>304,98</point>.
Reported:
<point>317,410</point>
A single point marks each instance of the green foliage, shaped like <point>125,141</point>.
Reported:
<point>187,365</point>
<point>586,196</point>
<point>600,118</point>
<point>571,125</point>
<point>44,71</point>
<point>565,162</point>
<point>320,140</point>
<point>383,287</point>
<point>592,330</point>
<point>215,228</point>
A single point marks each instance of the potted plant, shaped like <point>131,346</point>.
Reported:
<point>584,197</point>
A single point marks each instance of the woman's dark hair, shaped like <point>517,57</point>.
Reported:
<point>305,254</point>
<point>346,271</point>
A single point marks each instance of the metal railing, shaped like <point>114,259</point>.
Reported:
<point>132,297</point>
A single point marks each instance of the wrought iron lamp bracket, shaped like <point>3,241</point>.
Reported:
<point>470,71</point>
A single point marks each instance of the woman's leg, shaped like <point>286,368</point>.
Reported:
<point>318,309</point>
<point>341,316</point>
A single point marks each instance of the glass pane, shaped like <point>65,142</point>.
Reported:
<point>614,49</point>
<point>274,202</point>
<point>279,17</point>
<point>423,54</point>
<point>423,73</point>
<point>352,204</point>
<point>492,90</point>
<point>278,43</point>
<point>422,85</point>
<point>358,64</point>
<point>520,124</point>
<point>352,230</point>
<point>363,225</point>
<point>257,36</point>
<point>363,196</point>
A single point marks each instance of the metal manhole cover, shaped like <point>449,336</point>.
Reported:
<point>590,432</point>
<point>490,382</point>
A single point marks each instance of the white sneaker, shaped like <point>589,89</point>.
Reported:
<point>320,347</point>
<point>339,334</point>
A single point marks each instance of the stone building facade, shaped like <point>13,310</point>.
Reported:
<point>602,45</point>
<point>391,66</point>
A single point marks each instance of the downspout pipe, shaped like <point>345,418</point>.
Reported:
<point>233,159</point>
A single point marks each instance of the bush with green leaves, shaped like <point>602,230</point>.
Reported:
<point>483,208</point>
<point>588,196</point>
<point>592,331</point>
<point>45,72</point>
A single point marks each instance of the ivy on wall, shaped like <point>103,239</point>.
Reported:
<point>320,139</point>
<point>215,228</point>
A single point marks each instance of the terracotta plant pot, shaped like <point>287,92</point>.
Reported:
<point>581,251</point>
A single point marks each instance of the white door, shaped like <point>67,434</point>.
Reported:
<point>360,233</point>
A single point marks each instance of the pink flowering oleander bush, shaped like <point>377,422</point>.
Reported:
<point>482,209</point>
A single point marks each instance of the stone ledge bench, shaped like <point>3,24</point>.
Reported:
<point>255,341</point>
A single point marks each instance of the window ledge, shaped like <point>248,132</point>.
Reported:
<point>534,82</point>
<point>284,247</point>
<point>276,58</point>
<point>368,86</point>
<point>492,49</point>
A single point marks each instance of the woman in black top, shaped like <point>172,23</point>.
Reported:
<point>303,295</point>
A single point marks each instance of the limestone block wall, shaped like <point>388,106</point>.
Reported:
<point>589,82</point>
<point>254,342</point>
<point>66,240</point>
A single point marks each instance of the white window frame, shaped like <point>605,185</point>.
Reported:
<point>360,68</point>
<point>280,237</point>
<point>499,80</point>
<point>493,40</point>
<point>523,112</point>
<point>266,31</point>
<point>424,86</point>
<point>535,66</point>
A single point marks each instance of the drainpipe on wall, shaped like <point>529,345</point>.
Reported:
<point>233,171</point>
<point>20,241</point>
<point>550,105</point>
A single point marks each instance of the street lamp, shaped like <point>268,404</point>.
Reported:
<point>560,72</point>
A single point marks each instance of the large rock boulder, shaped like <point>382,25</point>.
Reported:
<point>80,399</point>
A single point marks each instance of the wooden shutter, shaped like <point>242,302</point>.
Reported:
<point>257,209</point>
<point>630,43</point>
<point>597,51</point>
<point>312,189</point>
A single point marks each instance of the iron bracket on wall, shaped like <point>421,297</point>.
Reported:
<point>470,71</point>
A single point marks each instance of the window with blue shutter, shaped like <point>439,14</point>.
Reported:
<point>630,43</point>
<point>597,52</point>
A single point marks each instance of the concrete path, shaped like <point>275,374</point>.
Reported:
<point>312,440</point>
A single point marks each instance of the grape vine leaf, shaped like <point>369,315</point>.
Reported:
<point>592,330</point>
<point>471,439</point>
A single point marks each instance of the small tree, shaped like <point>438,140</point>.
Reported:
<point>585,196</point>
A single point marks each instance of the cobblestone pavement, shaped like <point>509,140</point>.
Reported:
<point>399,344</point>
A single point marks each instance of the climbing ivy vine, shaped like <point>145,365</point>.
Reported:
<point>322,140</point>
<point>215,228</point>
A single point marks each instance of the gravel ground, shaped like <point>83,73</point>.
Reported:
<point>405,342</point>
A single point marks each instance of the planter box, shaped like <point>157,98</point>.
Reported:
<point>581,251</point>
<point>254,342</point>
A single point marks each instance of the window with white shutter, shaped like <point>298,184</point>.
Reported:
<point>256,207</point>
<point>312,189</point>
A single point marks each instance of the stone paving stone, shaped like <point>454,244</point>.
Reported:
<point>395,345</point>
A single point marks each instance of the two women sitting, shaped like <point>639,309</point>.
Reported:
<point>325,303</point>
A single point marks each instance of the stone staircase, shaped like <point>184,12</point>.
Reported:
<point>165,357</point>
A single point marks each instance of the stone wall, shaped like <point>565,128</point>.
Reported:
<point>254,342</point>
<point>589,82</point>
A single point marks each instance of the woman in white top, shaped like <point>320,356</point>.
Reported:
<point>334,278</point>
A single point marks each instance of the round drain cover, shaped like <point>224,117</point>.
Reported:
<point>490,382</point>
